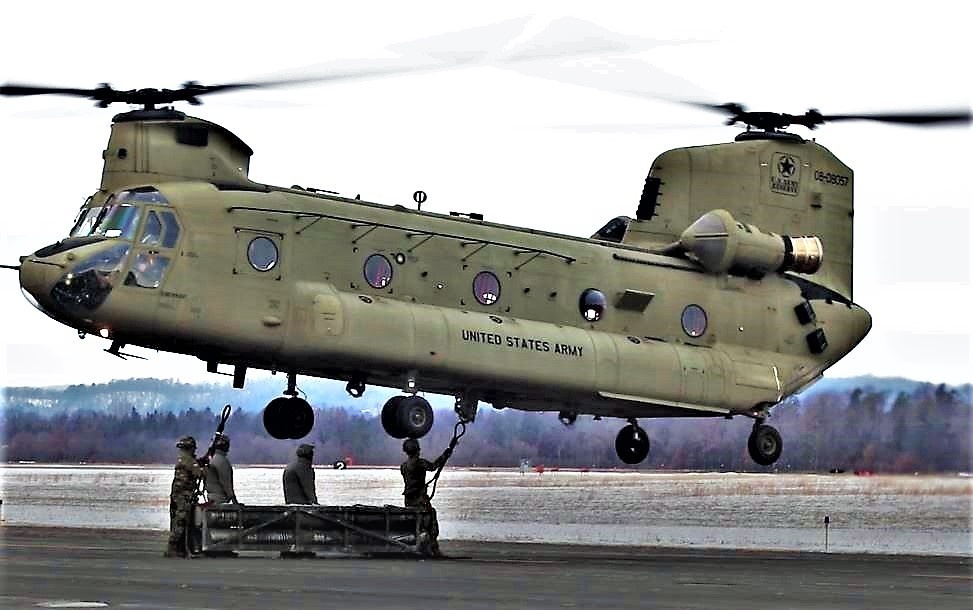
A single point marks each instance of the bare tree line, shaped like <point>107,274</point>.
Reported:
<point>926,430</point>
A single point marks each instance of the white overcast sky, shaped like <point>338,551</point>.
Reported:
<point>560,142</point>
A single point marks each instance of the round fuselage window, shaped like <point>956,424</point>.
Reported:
<point>262,253</point>
<point>592,304</point>
<point>486,288</point>
<point>694,320</point>
<point>378,271</point>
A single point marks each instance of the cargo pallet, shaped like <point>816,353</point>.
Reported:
<point>306,530</point>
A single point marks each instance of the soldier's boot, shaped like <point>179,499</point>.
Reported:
<point>173,550</point>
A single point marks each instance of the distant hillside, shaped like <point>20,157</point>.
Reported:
<point>168,396</point>
<point>869,383</point>
<point>883,429</point>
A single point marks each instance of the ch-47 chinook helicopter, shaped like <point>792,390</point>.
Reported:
<point>730,289</point>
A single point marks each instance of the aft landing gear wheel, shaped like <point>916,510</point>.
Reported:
<point>407,416</point>
<point>632,444</point>
<point>764,444</point>
<point>288,417</point>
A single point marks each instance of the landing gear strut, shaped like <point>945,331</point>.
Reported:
<point>632,443</point>
<point>764,443</point>
<point>466,407</point>
<point>407,416</point>
<point>289,417</point>
<point>567,417</point>
<point>356,387</point>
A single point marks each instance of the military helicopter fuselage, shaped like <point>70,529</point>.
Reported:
<point>729,291</point>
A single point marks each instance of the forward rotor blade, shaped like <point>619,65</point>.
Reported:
<point>907,118</point>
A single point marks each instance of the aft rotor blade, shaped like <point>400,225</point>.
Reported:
<point>14,89</point>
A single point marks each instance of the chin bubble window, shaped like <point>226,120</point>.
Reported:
<point>592,304</point>
<point>378,271</point>
<point>694,320</point>
<point>262,254</point>
<point>486,288</point>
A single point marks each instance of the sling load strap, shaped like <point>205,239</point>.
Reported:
<point>458,431</point>
<point>224,415</point>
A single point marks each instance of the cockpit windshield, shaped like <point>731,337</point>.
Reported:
<point>120,220</point>
<point>86,221</point>
<point>117,217</point>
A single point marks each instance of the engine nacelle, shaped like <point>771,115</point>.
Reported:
<point>721,243</point>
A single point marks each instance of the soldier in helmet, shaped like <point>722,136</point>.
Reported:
<point>299,478</point>
<point>184,485</point>
<point>414,470</point>
<point>219,474</point>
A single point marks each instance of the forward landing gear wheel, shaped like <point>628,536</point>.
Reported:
<point>288,417</point>
<point>276,418</point>
<point>415,416</point>
<point>390,417</point>
<point>632,444</point>
<point>407,416</point>
<point>302,418</point>
<point>764,444</point>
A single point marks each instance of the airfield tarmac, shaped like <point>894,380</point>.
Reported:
<point>61,567</point>
<point>909,515</point>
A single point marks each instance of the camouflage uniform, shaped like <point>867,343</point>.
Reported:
<point>181,499</point>
<point>414,470</point>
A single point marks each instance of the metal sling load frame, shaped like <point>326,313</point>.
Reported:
<point>311,529</point>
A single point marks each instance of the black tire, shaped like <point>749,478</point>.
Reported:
<point>414,417</point>
<point>632,444</point>
<point>390,420</point>
<point>301,417</point>
<point>276,418</point>
<point>765,444</point>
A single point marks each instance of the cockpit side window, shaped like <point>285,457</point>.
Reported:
<point>171,235</point>
<point>147,270</point>
<point>152,233</point>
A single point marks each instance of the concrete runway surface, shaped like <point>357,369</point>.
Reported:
<point>64,568</point>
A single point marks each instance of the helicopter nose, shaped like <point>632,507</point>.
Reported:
<point>863,321</point>
<point>36,280</point>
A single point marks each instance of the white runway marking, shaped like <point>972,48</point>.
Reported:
<point>950,576</point>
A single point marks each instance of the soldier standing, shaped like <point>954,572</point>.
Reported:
<point>219,474</point>
<point>299,478</point>
<point>185,483</point>
<point>414,470</point>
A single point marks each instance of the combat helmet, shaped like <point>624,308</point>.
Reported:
<point>410,446</point>
<point>186,442</point>
<point>222,442</point>
<point>305,451</point>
